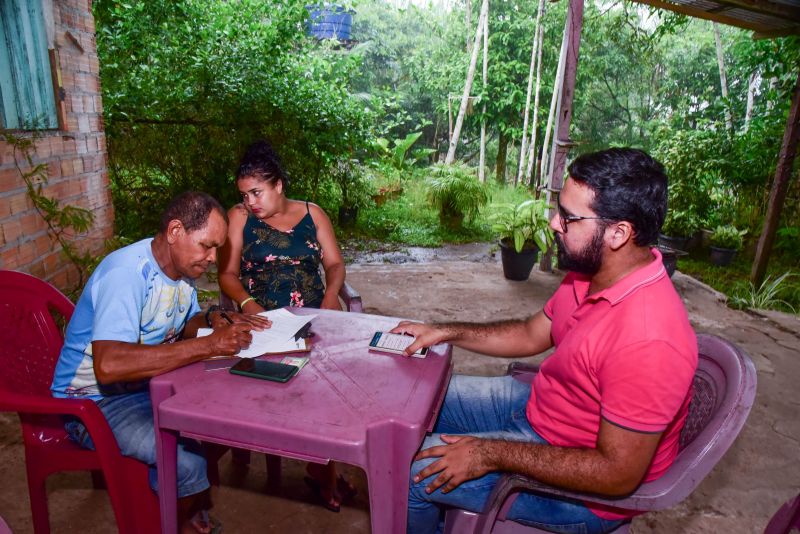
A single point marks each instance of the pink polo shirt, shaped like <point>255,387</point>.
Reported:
<point>627,354</point>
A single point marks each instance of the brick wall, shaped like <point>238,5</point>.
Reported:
<point>75,157</point>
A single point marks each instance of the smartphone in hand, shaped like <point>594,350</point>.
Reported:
<point>394,344</point>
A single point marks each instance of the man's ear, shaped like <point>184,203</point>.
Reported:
<point>174,230</point>
<point>619,234</point>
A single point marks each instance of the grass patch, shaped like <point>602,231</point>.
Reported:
<point>734,281</point>
<point>412,220</point>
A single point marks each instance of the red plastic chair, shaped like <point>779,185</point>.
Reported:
<point>32,315</point>
<point>724,390</point>
<point>352,302</point>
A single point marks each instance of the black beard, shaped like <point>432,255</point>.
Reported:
<point>587,260</point>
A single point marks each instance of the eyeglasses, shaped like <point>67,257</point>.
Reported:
<point>566,218</point>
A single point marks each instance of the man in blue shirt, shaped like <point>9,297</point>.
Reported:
<point>138,317</point>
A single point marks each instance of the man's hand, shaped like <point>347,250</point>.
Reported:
<point>426,335</point>
<point>463,458</point>
<point>230,339</point>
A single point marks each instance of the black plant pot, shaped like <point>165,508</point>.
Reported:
<point>670,261</point>
<point>518,265</point>
<point>722,256</point>
<point>347,216</point>
<point>677,243</point>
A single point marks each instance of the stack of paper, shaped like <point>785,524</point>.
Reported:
<point>274,340</point>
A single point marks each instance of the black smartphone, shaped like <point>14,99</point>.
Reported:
<point>394,344</point>
<point>277,372</point>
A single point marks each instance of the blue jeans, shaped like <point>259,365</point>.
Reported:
<point>130,417</point>
<point>492,408</point>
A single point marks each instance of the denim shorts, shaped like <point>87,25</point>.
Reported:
<point>492,408</point>
<point>130,417</point>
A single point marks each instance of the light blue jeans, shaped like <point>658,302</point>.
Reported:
<point>492,408</point>
<point>130,417</point>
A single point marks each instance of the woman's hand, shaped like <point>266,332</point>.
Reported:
<point>257,322</point>
<point>252,307</point>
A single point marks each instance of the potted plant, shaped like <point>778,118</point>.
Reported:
<point>524,230</point>
<point>726,241</point>
<point>679,226</point>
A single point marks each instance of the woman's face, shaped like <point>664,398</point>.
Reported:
<point>260,198</point>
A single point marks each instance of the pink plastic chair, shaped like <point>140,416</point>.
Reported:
<point>786,519</point>
<point>32,316</point>
<point>352,302</point>
<point>724,390</point>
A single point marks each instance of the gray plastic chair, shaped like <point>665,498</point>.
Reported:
<point>786,518</point>
<point>724,390</point>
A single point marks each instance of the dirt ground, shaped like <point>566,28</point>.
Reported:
<point>759,472</point>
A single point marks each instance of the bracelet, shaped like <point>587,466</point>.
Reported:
<point>211,309</point>
<point>245,301</point>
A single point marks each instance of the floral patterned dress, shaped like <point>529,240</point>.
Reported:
<point>282,268</point>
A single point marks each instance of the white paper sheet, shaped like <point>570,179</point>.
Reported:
<point>278,338</point>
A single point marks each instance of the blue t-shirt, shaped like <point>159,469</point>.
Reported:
<point>128,298</point>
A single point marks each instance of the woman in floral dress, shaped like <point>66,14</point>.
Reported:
<point>271,259</point>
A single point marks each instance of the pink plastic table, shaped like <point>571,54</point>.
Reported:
<point>347,405</point>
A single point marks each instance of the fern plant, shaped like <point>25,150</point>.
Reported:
<point>456,192</point>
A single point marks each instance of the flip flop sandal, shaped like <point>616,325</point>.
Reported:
<point>315,487</point>
<point>202,518</point>
<point>346,490</point>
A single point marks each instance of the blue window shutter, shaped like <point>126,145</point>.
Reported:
<point>26,85</point>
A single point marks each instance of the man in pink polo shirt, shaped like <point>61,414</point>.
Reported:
<point>605,411</point>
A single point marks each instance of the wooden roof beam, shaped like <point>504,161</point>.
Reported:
<point>762,7</point>
<point>772,34</point>
<point>714,17</point>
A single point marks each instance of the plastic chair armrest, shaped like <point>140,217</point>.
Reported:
<point>84,409</point>
<point>351,298</point>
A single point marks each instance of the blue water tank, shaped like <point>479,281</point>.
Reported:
<point>330,21</point>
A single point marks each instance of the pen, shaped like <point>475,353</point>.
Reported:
<point>226,317</point>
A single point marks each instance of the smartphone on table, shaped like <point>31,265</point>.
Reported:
<point>394,344</point>
<point>277,372</point>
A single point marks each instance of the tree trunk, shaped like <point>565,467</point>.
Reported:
<point>723,79</point>
<point>751,92</point>
<point>532,153</point>
<point>468,24</point>
<point>523,146</point>
<point>451,152</point>
<point>500,163</point>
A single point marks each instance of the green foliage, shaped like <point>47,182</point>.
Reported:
<point>767,295</point>
<point>680,223</point>
<point>354,184</point>
<point>456,192</point>
<point>728,236</point>
<point>64,222</point>
<point>397,152</point>
<point>411,220</point>
<point>187,85</point>
<point>523,224</point>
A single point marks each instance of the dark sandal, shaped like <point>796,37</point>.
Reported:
<point>316,488</point>
<point>202,518</point>
<point>345,489</point>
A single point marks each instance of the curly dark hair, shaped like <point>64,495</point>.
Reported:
<point>192,209</point>
<point>261,161</point>
<point>629,185</point>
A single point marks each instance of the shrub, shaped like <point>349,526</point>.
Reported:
<point>456,192</point>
